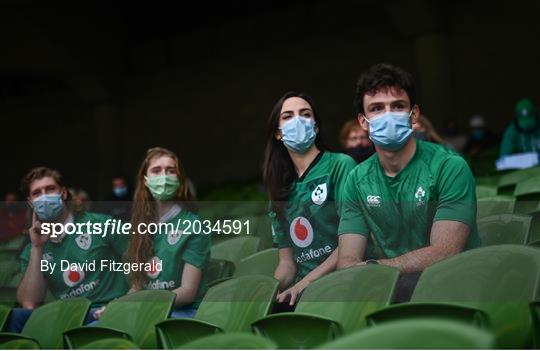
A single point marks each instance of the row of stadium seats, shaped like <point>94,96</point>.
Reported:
<point>485,298</point>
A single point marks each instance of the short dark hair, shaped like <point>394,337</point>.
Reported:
<point>39,173</point>
<point>383,77</point>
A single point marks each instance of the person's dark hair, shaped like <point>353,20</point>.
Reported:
<point>39,173</point>
<point>278,168</point>
<point>381,77</point>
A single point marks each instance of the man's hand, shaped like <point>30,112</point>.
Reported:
<point>37,239</point>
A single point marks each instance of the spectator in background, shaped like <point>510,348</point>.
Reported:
<point>12,217</point>
<point>355,141</point>
<point>523,132</point>
<point>424,130</point>
<point>480,138</point>
<point>119,201</point>
<point>80,200</point>
<point>453,137</point>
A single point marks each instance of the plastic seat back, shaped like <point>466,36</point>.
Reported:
<point>137,313</point>
<point>500,280</point>
<point>494,205</point>
<point>231,341</point>
<point>48,322</point>
<point>504,229</point>
<point>348,295</point>
<point>234,250</point>
<point>507,182</point>
<point>485,191</point>
<point>416,334</point>
<point>234,304</point>
<point>527,193</point>
<point>263,262</point>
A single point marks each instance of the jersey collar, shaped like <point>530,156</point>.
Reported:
<point>311,165</point>
<point>173,212</point>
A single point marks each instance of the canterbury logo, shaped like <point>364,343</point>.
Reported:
<point>373,200</point>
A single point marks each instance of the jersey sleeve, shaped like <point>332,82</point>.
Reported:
<point>352,220</point>
<point>456,192</point>
<point>279,235</point>
<point>25,257</point>
<point>197,252</point>
<point>508,141</point>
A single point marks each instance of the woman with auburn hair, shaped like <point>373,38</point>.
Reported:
<point>162,195</point>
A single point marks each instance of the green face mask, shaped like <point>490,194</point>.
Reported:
<point>162,187</point>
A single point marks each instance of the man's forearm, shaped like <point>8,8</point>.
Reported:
<point>31,290</point>
<point>417,260</point>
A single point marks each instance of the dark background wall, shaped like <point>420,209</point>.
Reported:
<point>88,90</point>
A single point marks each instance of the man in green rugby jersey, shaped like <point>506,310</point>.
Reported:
<point>47,196</point>
<point>411,204</point>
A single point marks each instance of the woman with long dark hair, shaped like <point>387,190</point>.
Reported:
<point>304,181</point>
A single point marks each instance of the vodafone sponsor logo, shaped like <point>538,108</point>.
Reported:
<point>155,269</point>
<point>80,290</point>
<point>301,232</point>
<point>73,276</point>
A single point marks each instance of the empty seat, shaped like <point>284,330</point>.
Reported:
<point>497,282</point>
<point>330,306</point>
<point>416,334</point>
<point>504,229</point>
<point>227,307</point>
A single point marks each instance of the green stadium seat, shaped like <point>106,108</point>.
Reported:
<point>489,181</point>
<point>330,306</point>
<point>535,310</point>
<point>4,314</point>
<point>8,296</point>
<point>504,229</point>
<point>46,324</point>
<point>226,255</point>
<point>494,205</point>
<point>425,333</point>
<point>262,262</point>
<point>111,344</point>
<point>131,317</point>
<point>228,307</point>
<point>507,182</point>
<point>527,194</point>
<point>7,255</point>
<point>219,271</point>
<point>21,344</point>
<point>231,341</point>
<point>8,269</point>
<point>498,281</point>
<point>264,231</point>
<point>16,243</point>
<point>485,191</point>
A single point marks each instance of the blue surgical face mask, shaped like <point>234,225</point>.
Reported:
<point>48,207</point>
<point>120,191</point>
<point>390,130</point>
<point>299,134</point>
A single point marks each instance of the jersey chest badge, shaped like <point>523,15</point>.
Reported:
<point>318,196</point>
<point>84,241</point>
<point>155,263</point>
<point>174,237</point>
<point>301,232</point>
<point>73,276</point>
<point>420,196</point>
